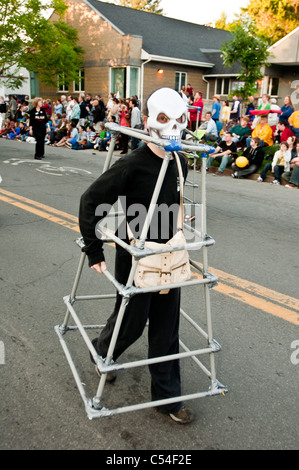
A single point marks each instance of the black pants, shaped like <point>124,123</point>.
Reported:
<point>39,136</point>
<point>163,313</point>
<point>249,170</point>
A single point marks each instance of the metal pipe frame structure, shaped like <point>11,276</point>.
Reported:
<point>93,405</point>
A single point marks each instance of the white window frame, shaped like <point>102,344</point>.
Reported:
<point>128,80</point>
<point>180,79</point>
<point>222,85</point>
<point>80,90</point>
<point>64,89</point>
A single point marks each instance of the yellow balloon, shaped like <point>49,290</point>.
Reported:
<point>241,162</point>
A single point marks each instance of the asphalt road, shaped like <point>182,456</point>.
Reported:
<point>255,318</point>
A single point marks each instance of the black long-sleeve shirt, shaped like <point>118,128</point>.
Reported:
<point>133,176</point>
<point>38,119</point>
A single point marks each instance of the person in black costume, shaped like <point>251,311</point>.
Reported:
<point>38,125</point>
<point>134,177</point>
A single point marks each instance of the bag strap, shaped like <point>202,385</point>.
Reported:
<point>180,222</point>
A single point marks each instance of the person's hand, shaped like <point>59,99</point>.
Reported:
<point>100,267</point>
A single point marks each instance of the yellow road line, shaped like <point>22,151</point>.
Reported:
<point>40,213</point>
<point>241,289</point>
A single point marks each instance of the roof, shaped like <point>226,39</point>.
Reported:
<point>165,37</point>
<point>286,50</point>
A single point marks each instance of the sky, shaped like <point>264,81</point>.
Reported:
<point>196,11</point>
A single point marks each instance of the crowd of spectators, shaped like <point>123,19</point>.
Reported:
<point>73,122</point>
<point>259,132</point>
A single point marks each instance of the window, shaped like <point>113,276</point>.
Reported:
<point>79,84</point>
<point>222,86</point>
<point>273,86</point>
<point>62,85</point>
<point>124,80</point>
<point>180,80</point>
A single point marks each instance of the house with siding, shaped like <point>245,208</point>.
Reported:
<point>281,77</point>
<point>134,52</point>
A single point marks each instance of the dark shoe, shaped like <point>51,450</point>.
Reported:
<point>183,416</point>
<point>218,173</point>
<point>111,376</point>
<point>37,158</point>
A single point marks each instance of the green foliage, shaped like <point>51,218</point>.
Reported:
<point>152,6</point>
<point>274,18</point>
<point>249,50</point>
<point>28,39</point>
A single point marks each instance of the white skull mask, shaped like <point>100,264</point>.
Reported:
<point>167,114</point>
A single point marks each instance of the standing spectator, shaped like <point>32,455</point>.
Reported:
<point>38,125</point>
<point>198,101</point>
<point>58,107</point>
<point>98,114</point>
<point>236,109</point>
<point>280,163</point>
<point>286,110</point>
<point>114,110</point>
<point>83,110</point>
<point>255,157</point>
<point>76,111</point>
<point>12,106</point>
<point>135,121</point>
<point>190,90</point>
<point>68,107</point>
<point>250,107</point>
<point>216,108</point>
<point>273,118</point>
<point>2,112</point>
<point>225,154</point>
<point>225,114</point>
<point>124,120</point>
<point>264,105</point>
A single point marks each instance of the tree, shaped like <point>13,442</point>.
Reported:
<point>250,51</point>
<point>152,6</point>
<point>29,40</point>
<point>274,18</point>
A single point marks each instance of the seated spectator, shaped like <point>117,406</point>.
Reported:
<point>72,133</point>
<point>294,180</point>
<point>225,154</point>
<point>241,131</point>
<point>59,131</point>
<point>3,109</point>
<point>283,132</point>
<point>255,157</point>
<point>280,163</point>
<point>102,140</point>
<point>294,123</point>
<point>264,132</point>
<point>24,132</point>
<point>210,128</point>
<point>294,149</point>
<point>8,127</point>
<point>79,142</point>
<point>287,109</point>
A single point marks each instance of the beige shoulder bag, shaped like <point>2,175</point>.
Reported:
<point>165,268</point>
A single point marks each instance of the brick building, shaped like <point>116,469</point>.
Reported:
<point>134,52</point>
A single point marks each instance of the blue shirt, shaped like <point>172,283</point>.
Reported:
<point>216,110</point>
